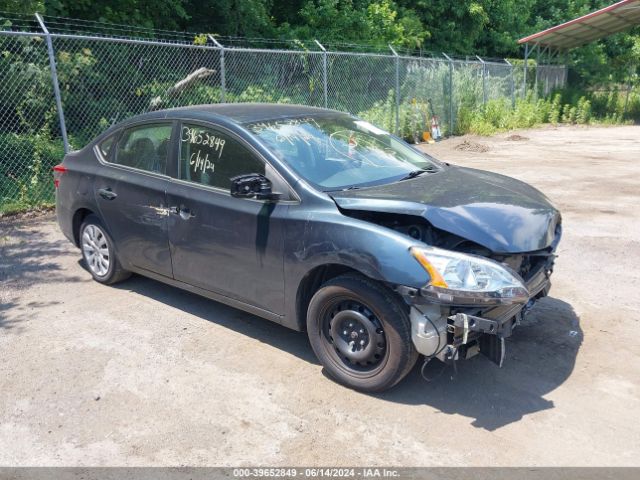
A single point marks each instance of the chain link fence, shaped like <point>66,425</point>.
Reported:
<point>30,142</point>
<point>59,87</point>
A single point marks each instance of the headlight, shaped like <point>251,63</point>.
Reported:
<point>463,279</point>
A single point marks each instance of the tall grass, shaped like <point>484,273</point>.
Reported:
<point>562,107</point>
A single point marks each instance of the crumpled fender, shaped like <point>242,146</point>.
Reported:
<point>327,237</point>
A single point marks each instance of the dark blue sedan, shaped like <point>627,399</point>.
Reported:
<point>319,221</point>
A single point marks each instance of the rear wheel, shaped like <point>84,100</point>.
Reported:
<point>361,333</point>
<point>98,252</point>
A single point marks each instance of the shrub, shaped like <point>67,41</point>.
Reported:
<point>555,109</point>
<point>583,111</point>
<point>26,181</point>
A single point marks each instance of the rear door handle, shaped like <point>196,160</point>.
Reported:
<point>184,213</point>
<point>107,194</point>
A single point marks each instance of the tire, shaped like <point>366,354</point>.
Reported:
<point>361,333</point>
<point>98,252</point>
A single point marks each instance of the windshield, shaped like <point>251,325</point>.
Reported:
<point>337,151</point>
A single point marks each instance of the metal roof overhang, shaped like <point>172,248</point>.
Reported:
<point>593,26</point>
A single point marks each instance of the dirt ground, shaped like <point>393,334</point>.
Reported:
<point>144,374</point>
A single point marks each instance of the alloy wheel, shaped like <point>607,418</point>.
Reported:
<point>96,250</point>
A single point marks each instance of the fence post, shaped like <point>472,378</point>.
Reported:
<point>56,86</point>
<point>484,80</point>
<point>513,84</point>
<point>626,99</point>
<point>325,79</point>
<point>535,85</point>
<point>451,121</point>
<point>526,63</point>
<point>397,88</point>
<point>223,77</point>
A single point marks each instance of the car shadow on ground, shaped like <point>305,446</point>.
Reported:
<point>540,357</point>
<point>252,326</point>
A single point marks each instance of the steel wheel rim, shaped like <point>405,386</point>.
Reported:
<point>354,337</point>
<point>96,250</point>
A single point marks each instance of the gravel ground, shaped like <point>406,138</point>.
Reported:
<point>145,374</point>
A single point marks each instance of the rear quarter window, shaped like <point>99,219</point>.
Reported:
<point>145,147</point>
<point>106,145</point>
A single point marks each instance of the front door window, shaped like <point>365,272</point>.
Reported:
<point>212,157</point>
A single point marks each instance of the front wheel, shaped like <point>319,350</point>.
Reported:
<point>361,333</point>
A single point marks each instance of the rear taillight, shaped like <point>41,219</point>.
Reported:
<point>58,171</point>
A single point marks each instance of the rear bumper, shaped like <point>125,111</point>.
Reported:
<point>65,221</point>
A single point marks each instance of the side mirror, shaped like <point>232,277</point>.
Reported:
<point>252,185</point>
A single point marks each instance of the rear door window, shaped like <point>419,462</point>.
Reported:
<point>212,157</point>
<point>145,147</point>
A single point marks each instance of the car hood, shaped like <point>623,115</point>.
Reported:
<point>500,213</point>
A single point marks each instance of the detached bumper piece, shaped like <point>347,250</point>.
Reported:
<point>489,342</point>
<point>471,334</point>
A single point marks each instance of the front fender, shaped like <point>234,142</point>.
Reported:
<point>316,238</point>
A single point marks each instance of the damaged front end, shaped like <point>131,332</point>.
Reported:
<point>486,243</point>
<point>451,326</point>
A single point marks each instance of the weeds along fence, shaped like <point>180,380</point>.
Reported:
<point>62,85</point>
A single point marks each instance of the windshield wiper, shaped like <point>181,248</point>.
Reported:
<point>343,189</point>
<point>416,173</point>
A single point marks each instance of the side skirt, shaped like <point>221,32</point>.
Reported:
<point>232,302</point>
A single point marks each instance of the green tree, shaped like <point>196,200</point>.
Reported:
<point>164,14</point>
<point>464,27</point>
<point>22,6</point>
<point>376,23</point>
<point>247,18</point>
<point>453,26</point>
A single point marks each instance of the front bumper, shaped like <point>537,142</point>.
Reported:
<point>453,332</point>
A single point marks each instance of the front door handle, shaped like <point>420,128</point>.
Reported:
<point>184,213</point>
<point>107,193</point>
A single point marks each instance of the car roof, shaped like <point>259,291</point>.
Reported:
<point>237,112</point>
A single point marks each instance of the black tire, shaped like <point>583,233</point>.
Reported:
<point>361,333</point>
<point>92,232</point>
